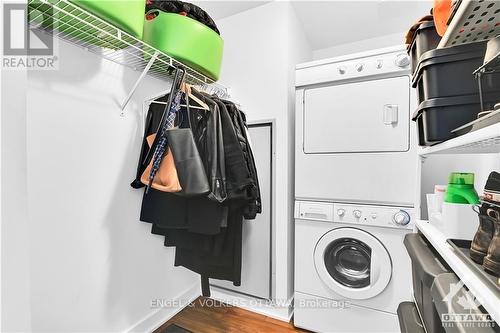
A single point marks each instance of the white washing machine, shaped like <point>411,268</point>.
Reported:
<point>351,267</point>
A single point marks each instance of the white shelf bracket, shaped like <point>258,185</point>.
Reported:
<point>143,74</point>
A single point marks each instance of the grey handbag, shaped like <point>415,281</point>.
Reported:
<point>190,168</point>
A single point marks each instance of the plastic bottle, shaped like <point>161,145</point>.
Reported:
<point>460,189</point>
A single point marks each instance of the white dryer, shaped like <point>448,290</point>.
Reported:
<point>355,142</point>
<point>351,268</point>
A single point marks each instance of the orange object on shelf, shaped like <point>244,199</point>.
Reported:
<point>410,35</point>
<point>441,12</point>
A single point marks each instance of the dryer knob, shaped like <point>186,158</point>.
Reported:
<point>357,213</point>
<point>340,212</point>
<point>402,60</point>
<point>359,66</point>
<point>341,70</point>
<point>401,218</point>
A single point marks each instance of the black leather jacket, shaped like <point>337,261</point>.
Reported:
<point>207,132</point>
<point>223,144</point>
<point>252,190</point>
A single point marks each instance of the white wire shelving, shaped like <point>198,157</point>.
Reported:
<point>491,66</point>
<point>482,141</point>
<point>474,21</point>
<point>77,26</point>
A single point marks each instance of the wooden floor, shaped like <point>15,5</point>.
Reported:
<point>222,318</point>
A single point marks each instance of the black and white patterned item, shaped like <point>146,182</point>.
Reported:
<point>162,146</point>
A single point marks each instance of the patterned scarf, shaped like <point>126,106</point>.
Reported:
<point>161,147</point>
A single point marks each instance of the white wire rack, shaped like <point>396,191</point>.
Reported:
<point>77,26</point>
<point>474,21</point>
<point>491,66</point>
<point>483,141</point>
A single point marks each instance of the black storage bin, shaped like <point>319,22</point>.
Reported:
<point>409,319</point>
<point>447,301</point>
<point>426,266</point>
<point>437,117</point>
<point>420,131</point>
<point>448,72</point>
<point>420,92</point>
<point>424,39</point>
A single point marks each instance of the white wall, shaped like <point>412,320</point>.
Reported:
<point>332,23</point>
<point>299,51</point>
<point>342,27</point>
<point>15,315</point>
<point>94,266</point>
<point>15,241</point>
<point>435,171</point>
<point>382,41</point>
<point>262,46</point>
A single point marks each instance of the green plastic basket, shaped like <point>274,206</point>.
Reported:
<point>185,40</point>
<point>128,15</point>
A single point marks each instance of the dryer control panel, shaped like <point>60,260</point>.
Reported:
<point>353,67</point>
<point>381,216</point>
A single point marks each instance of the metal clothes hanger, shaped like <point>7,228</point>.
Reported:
<point>219,91</point>
<point>186,88</point>
<point>214,89</point>
<point>183,105</point>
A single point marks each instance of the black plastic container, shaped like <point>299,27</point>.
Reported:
<point>424,39</point>
<point>427,265</point>
<point>447,300</point>
<point>437,117</point>
<point>409,319</point>
<point>448,72</point>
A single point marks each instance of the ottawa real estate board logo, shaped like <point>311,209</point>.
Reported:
<point>26,46</point>
<point>464,310</point>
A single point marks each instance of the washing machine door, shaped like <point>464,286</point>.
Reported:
<point>353,263</point>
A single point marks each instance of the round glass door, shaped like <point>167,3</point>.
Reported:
<point>353,263</point>
<point>347,260</point>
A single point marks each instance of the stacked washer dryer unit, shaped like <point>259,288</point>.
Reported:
<point>355,189</point>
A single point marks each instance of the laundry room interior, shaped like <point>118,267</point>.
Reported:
<point>250,166</point>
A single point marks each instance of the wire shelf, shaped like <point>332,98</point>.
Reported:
<point>491,66</point>
<point>77,26</point>
<point>474,21</point>
<point>482,141</point>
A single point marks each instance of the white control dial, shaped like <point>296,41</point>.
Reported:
<point>402,60</point>
<point>401,218</point>
<point>340,212</point>
<point>379,63</point>
<point>341,70</point>
<point>359,67</point>
<point>356,213</point>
